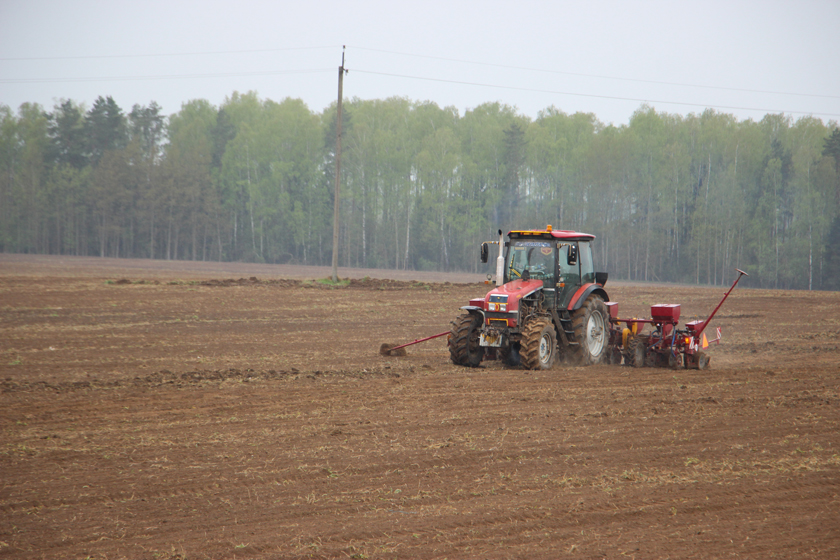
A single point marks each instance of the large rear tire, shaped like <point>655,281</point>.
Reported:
<point>539,344</point>
<point>590,325</point>
<point>464,347</point>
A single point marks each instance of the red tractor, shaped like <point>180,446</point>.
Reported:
<point>548,302</point>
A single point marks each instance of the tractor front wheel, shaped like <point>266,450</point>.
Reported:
<point>539,344</point>
<point>464,347</point>
<point>590,325</point>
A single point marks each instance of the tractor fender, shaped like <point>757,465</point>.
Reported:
<point>584,292</point>
<point>475,310</point>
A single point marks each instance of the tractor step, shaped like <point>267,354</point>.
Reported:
<point>570,333</point>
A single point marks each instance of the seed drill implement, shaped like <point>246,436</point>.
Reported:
<point>667,345</point>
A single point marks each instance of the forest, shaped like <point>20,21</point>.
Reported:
<point>671,198</point>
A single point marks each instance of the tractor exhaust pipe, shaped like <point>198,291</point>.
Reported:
<point>500,261</point>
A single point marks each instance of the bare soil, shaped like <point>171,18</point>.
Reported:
<point>183,410</point>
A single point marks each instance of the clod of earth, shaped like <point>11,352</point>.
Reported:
<point>389,350</point>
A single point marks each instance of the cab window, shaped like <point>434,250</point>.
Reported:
<point>537,257</point>
<point>587,268</point>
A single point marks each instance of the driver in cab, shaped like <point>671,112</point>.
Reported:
<point>534,263</point>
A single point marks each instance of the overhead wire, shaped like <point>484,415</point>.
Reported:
<point>406,76</point>
<point>160,76</point>
<point>155,55</point>
<point>555,92</point>
<point>579,74</point>
<point>414,55</point>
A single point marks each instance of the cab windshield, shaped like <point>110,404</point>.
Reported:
<point>535,257</point>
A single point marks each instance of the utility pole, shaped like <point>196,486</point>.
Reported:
<point>341,72</point>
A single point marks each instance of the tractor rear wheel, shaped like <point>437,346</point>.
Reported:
<point>464,348</point>
<point>636,351</point>
<point>539,344</point>
<point>590,325</point>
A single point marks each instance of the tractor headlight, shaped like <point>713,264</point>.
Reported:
<point>498,302</point>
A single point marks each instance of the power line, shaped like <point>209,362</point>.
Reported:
<point>591,94</point>
<point>158,77</point>
<point>195,53</point>
<point>405,76</point>
<point>560,72</point>
<point>429,57</point>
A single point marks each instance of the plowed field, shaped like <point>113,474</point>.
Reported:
<point>194,410</point>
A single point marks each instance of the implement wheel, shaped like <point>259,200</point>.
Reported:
<point>675,360</point>
<point>464,348</point>
<point>539,344</point>
<point>700,361</point>
<point>636,351</point>
<point>613,356</point>
<point>590,325</point>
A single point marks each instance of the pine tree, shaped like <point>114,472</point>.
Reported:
<point>105,127</point>
<point>67,135</point>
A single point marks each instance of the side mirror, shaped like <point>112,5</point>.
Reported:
<point>485,252</point>
<point>573,255</point>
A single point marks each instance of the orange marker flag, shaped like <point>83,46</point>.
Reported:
<point>705,341</point>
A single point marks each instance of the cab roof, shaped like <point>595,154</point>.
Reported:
<point>549,232</point>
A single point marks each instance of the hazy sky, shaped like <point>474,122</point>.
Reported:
<point>741,57</point>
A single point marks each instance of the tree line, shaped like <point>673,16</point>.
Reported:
<point>669,197</point>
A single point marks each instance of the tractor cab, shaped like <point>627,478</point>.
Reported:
<point>562,260</point>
